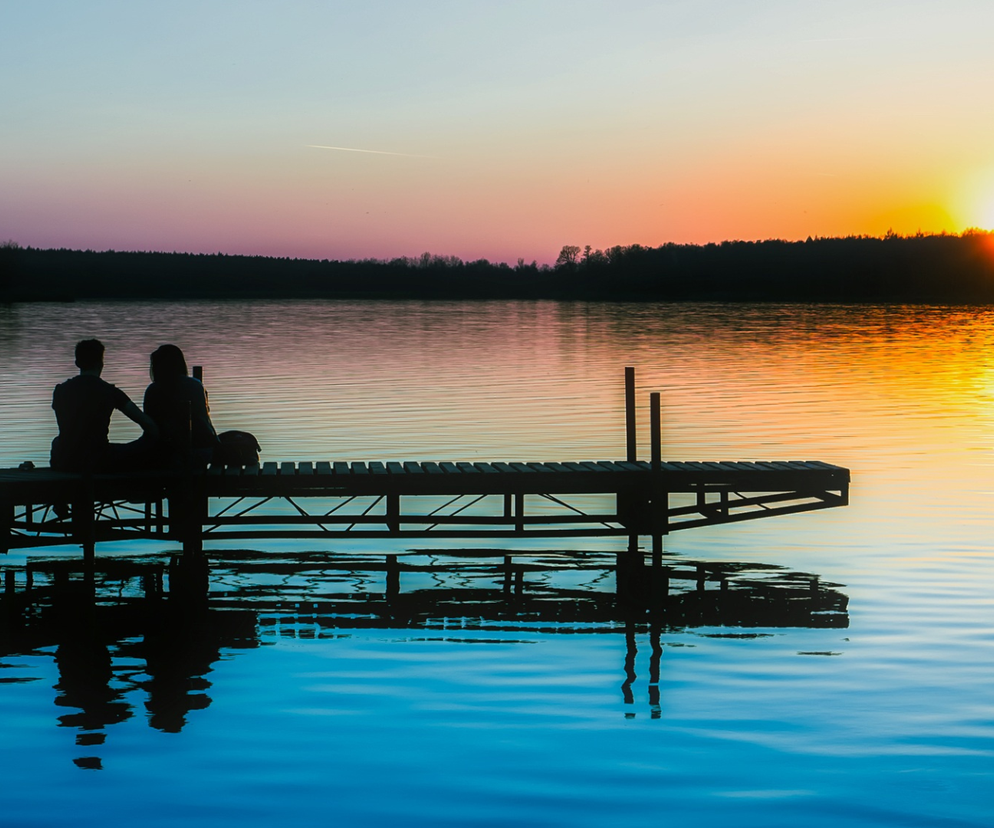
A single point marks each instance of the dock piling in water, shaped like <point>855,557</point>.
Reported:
<point>631,434</point>
<point>656,431</point>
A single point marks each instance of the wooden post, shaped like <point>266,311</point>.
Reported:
<point>198,374</point>
<point>6,523</point>
<point>189,579</point>
<point>631,651</point>
<point>657,551</point>
<point>519,512</point>
<point>655,711</point>
<point>192,515</point>
<point>630,432</point>
<point>655,428</point>
<point>393,577</point>
<point>656,573</point>
<point>393,512</point>
<point>625,569</point>
<point>84,521</point>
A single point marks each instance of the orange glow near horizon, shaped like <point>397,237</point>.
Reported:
<point>481,134</point>
<point>500,214</point>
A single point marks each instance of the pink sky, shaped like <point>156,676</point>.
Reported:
<point>516,128</point>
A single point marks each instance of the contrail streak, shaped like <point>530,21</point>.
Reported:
<point>372,152</point>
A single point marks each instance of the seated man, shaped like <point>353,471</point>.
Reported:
<point>83,407</point>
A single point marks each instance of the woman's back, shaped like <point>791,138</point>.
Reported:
<point>180,409</point>
<point>178,405</point>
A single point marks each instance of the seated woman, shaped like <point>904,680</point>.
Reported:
<point>178,404</point>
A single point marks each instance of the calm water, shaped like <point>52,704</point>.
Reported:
<point>297,699</point>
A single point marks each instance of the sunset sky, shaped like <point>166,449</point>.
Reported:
<point>489,129</point>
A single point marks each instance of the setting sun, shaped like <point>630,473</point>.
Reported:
<point>974,201</point>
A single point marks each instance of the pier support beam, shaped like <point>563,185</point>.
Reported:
<point>188,513</point>
<point>393,578</point>
<point>189,579</point>
<point>83,520</point>
<point>6,523</point>
<point>393,512</point>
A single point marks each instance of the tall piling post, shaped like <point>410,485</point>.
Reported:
<point>660,498</point>
<point>631,435</point>
<point>656,431</point>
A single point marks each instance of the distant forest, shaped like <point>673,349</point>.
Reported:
<point>894,269</point>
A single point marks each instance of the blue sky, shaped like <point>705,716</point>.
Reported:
<point>192,126</point>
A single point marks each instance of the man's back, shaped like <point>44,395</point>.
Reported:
<point>83,407</point>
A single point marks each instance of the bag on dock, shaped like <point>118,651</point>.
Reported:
<point>237,448</point>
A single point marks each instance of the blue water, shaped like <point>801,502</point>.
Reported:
<point>309,713</point>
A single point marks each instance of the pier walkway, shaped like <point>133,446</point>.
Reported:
<point>406,499</point>
<point>374,499</point>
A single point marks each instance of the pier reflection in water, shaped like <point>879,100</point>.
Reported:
<point>153,627</point>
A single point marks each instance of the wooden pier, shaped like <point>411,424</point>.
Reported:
<point>433,499</point>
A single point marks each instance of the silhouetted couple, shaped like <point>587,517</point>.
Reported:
<point>176,423</point>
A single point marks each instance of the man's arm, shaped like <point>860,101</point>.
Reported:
<point>134,413</point>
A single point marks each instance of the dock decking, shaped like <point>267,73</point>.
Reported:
<point>322,499</point>
<point>374,499</point>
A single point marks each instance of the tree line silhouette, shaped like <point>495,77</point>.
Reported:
<point>945,268</point>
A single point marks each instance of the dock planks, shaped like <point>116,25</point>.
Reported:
<point>645,500</point>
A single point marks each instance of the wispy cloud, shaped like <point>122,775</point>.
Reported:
<point>371,152</point>
<point>843,39</point>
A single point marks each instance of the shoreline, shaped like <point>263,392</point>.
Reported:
<point>942,269</point>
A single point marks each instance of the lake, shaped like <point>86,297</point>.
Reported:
<point>296,699</point>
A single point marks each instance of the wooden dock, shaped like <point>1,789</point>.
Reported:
<point>313,500</point>
<point>437,499</point>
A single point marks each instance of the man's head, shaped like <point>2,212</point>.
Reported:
<point>90,355</point>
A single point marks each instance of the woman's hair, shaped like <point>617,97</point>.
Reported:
<point>168,363</point>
